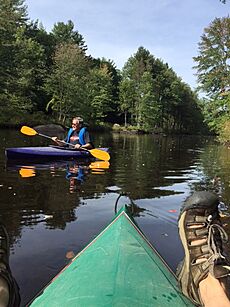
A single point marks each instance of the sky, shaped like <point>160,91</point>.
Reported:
<point>115,29</point>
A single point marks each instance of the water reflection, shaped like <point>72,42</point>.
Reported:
<point>42,202</point>
<point>76,171</point>
<point>134,209</point>
<point>49,212</point>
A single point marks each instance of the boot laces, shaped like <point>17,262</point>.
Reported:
<point>216,237</point>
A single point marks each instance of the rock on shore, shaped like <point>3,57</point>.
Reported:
<point>50,129</point>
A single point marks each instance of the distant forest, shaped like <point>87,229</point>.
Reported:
<point>48,78</point>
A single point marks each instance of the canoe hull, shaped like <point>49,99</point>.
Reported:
<point>118,268</point>
<point>46,153</point>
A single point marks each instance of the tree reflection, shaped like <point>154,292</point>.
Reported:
<point>44,196</point>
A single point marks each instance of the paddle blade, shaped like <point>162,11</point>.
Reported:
<point>101,165</point>
<point>28,131</point>
<point>100,154</point>
<point>27,172</point>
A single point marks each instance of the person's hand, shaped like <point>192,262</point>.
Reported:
<point>59,142</point>
<point>77,146</point>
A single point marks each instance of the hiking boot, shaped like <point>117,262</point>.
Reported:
<point>202,237</point>
<point>5,272</point>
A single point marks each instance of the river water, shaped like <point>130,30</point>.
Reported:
<point>52,210</point>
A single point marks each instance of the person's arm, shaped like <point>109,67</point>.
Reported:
<point>88,144</point>
<point>57,141</point>
<point>85,146</point>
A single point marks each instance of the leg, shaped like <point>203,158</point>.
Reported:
<point>213,293</point>
<point>9,291</point>
<point>4,293</point>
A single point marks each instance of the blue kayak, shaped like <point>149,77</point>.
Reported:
<point>49,152</point>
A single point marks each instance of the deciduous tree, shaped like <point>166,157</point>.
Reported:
<point>213,70</point>
<point>67,82</point>
<point>99,93</point>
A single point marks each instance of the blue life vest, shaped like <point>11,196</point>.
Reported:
<point>80,175</point>
<point>80,135</point>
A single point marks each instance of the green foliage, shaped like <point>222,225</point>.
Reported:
<point>148,113</point>
<point>12,16</point>
<point>153,98</point>
<point>127,97</point>
<point>99,91</point>
<point>22,61</point>
<point>64,33</point>
<point>67,82</point>
<point>213,72</point>
<point>37,32</point>
<point>214,54</point>
<point>224,132</point>
<point>50,72</point>
<point>12,117</point>
<point>30,63</point>
<point>136,90</point>
<point>114,81</point>
<point>221,118</point>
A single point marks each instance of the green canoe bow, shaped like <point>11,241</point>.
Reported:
<point>118,268</point>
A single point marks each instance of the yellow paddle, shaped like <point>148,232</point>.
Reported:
<point>27,172</point>
<point>97,153</point>
<point>99,165</point>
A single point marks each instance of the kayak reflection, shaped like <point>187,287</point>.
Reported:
<point>76,171</point>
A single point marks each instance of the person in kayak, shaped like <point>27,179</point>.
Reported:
<point>78,136</point>
<point>203,275</point>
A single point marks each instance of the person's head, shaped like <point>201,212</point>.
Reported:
<point>77,123</point>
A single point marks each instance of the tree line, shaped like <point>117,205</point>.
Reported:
<point>49,77</point>
<point>213,75</point>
